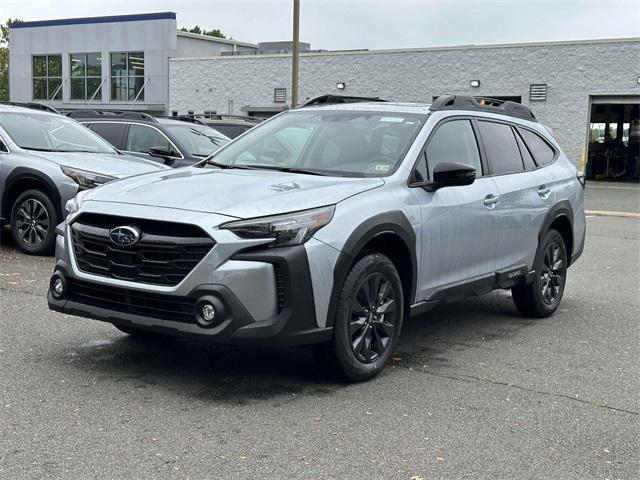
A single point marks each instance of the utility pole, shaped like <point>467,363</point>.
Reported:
<point>295,53</point>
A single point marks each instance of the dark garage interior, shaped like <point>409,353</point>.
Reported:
<point>614,142</point>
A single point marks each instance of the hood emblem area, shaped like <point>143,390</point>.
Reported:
<point>124,236</point>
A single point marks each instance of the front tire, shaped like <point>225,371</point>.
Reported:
<point>542,296</point>
<point>368,321</point>
<point>33,222</point>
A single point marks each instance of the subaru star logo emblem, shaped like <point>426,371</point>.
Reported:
<point>124,236</point>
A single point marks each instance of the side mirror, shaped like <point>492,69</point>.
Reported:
<point>163,153</point>
<point>452,174</point>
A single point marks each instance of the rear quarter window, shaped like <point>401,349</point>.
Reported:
<point>542,152</point>
<point>111,132</point>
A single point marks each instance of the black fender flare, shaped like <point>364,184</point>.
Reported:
<point>25,173</point>
<point>394,222</point>
<point>561,209</point>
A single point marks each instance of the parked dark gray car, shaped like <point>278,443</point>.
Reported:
<point>176,143</point>
<point>45,159</point>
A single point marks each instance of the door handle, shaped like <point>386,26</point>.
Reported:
<point>543,191</point>
<point>491,199</point>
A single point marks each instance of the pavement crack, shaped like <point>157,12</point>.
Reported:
<point>462,377</point>
<point>12,290</point>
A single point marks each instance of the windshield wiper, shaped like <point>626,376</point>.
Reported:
<point>287,169</point>
<point>224,165</point>
<point>43,149</point>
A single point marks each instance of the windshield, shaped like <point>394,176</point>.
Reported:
<point>198,140</point>
<point>340,143</point>
<point>54,133</point>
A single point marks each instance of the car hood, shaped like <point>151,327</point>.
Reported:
<point>236,193</point>
<point>118,166</point>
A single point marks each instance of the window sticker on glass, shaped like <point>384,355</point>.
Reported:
<point>392,119</point>
<point>381,167</point>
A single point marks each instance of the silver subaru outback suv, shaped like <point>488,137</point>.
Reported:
<point>328,226</point>
<point>45,159</point>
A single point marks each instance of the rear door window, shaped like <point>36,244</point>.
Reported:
<point>111,132</point>
<point>453,141</point>
<point>501,147</point>
<point>539,148</point>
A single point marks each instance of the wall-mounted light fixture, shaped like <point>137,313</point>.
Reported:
<point>475,83</point>
<point>341,85</point>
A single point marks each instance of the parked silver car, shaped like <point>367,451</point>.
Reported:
<point>327,226</point>
<point>45,159</point>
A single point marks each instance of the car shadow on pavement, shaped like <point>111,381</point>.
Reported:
<point>235,375</point>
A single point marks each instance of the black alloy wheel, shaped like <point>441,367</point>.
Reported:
<point>552,273</point>
<point>373,318</point>
<point>542,296</point>
<point>32,222</point>
<point>367,321</point>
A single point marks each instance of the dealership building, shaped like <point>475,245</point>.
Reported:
<point>587,92</point>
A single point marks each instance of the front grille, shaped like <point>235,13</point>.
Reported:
<point>164,255</point>
<point>166,307</point>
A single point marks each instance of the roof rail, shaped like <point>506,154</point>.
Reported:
<point>220,116</point>
<point>336,99</point>
<point>483,104</point>
<point>129,115</point>
<point>33,106</point>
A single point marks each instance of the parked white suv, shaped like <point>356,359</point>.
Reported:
<point>328,225</point>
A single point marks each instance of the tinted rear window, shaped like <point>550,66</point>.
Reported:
<point>501,147</point>
<point>111,132</point>
<point>231,131</point>
<point>539,148</point>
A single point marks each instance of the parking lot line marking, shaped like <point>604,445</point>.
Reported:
<point>613,186</point>
<point>607,213</point>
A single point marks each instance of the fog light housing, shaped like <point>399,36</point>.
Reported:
<point>209,311</point>
<point>58,286</point>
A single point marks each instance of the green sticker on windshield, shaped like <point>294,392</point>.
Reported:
<point>382,167</point>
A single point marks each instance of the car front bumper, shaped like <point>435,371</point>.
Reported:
<point>261,296</point>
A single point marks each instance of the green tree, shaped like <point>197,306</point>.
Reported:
<point>216,32</point>
<point>4,58</point>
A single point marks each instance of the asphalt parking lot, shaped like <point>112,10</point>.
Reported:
<point>475,390</point>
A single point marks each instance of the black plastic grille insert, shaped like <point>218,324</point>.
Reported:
<point>164,255</point>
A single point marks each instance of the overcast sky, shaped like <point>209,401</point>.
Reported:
<point>373,24</point>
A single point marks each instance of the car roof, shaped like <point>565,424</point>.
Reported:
<point>417,108</point>
<point>19,109</point>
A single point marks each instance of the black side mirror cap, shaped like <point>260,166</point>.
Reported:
<point>159,152</point>
<point>451,174</point>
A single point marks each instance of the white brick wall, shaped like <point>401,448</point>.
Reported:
<point>573,71</point>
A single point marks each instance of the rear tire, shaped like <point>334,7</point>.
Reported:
<point>542,296</point>
<point>33,222</point>
<point>368,321</point>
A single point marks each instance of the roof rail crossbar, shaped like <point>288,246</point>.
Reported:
<point>485,104</point>
<point>130,115</point>
<point>337,99</point>
<point>32,106</point>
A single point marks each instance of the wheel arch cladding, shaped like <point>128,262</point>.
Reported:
<point>22,179</point>
<point>560,218</point>
<point>388,233</point>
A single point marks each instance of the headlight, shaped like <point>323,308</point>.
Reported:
<point>73,205</point>
<point>285,230</point>
<point>85,178</point>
